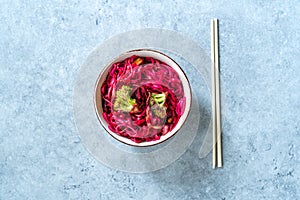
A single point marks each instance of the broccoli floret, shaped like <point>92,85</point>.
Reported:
<point>159,98</point>
<point>123,102</point>
<point>157,102</point>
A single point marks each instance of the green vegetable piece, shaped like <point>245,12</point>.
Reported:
<point>157,102</point>
<point>159,98</point>
<point>123,102</point>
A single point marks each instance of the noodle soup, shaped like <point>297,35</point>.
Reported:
<point>142,98</point>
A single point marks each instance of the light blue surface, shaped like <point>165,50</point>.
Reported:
<point>44,43</point>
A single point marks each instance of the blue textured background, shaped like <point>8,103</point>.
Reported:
<point>44,43</point>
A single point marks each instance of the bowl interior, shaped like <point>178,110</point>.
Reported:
<point>156,55</point>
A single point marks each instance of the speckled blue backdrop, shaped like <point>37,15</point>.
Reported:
<point>44,43</point>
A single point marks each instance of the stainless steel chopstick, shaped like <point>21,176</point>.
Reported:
<point>218,100</point>
<point>213,85</point>
<point>216,106</point>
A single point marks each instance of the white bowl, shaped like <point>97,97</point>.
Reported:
<point>156,55</point>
